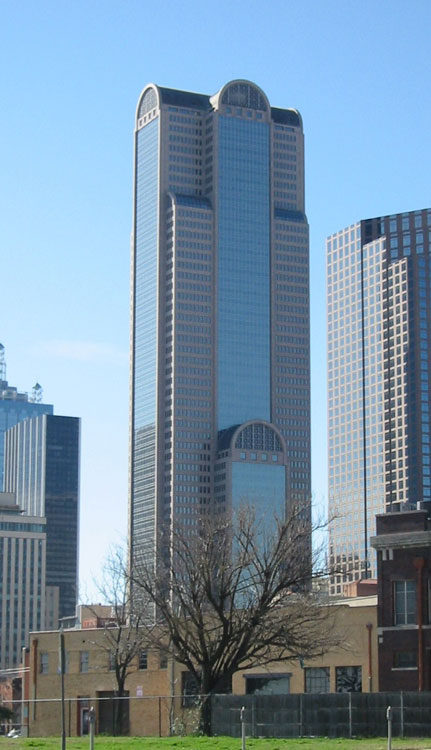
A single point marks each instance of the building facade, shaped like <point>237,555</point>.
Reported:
<point>220,378</point>
<point>22,579</point>
<point>42,469</point>
<point>403,544</point>
<point>161,698</point>
<point>379,346</point>
<point>15,406</point>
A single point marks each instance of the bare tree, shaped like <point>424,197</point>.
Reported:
<point>234,594</point>
<point>124,638</point>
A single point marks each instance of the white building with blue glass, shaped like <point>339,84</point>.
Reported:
<point>220,365</point>
<point>379,386</point>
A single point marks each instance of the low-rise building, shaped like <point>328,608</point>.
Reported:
<point>351,666</point>
<point>89,681</point>
<point>159,690</point>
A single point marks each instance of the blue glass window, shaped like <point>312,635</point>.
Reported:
<point>243,272</point>
<point>262,486</point>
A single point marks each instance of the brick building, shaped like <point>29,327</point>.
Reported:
<point>160,692</point>
<point>403,545</point>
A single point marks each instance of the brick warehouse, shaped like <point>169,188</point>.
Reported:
<point>154,679</point>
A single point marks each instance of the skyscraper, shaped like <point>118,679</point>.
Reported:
<point>220,381</point>
<point>42,470</point>
<point>379,347</point>
<point>22,579</point>
<point>14,407</point>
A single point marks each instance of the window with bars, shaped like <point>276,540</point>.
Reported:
<point>316,679</point>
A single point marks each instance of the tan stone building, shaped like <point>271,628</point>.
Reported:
<point>351,666</point>
<point>89,681</point>
<point>154,678</point>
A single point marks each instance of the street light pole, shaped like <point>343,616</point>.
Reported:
<point>61,659</point>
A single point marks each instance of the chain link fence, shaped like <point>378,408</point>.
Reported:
<point>289,715</point>
<point>137,715</point>
<point>323,715</point>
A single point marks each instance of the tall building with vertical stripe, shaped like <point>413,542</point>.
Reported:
<point>220,373</point>
<point>379,349</point>
<point>42,458</point>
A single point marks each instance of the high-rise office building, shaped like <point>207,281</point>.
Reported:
<point>22,579</point>
<point>14,407</point>
<point>220,380</point>
<point>42,470</point>
<point>379,348</point>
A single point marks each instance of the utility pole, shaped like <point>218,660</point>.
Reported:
<point>61,661</point>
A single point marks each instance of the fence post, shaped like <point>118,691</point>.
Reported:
<point>350,715</point>
<point>389,718</point>
<point>301,728</point>
<point>91,721</point>
<point>402,713</point>
<point>253,716</point>
<point>242,720</point>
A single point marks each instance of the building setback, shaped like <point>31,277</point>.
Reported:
<point>379,346</point>
<point>220,380</point>
<point>42,469</point>
<point>22,579</point>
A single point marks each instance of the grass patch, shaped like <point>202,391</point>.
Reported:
<point>212,743</point>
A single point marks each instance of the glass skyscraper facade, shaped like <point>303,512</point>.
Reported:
<point>220,373</point>
<point>379,348</point>
<point>42,470</point>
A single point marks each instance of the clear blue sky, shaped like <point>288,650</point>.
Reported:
<point>71,72</point>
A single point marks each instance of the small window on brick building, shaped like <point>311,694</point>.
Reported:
<point>405,660</point>
<point>44,663</point>
<point>143,660</point>
<point>83,661</point>
<point>163,660</point>
<point>404,593</point>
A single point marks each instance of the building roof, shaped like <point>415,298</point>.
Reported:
<point>179,98</point>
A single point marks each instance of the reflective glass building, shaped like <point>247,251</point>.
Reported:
<point>220,380</point>
<point>379,349</point>
<point>42,470</point>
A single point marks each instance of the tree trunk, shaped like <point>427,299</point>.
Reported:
<point>119,711</point>
<point>205,706</point>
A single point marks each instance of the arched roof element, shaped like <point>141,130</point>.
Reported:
<point>148,100</point>
<point>241,93</point>
<point>253,435</point>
